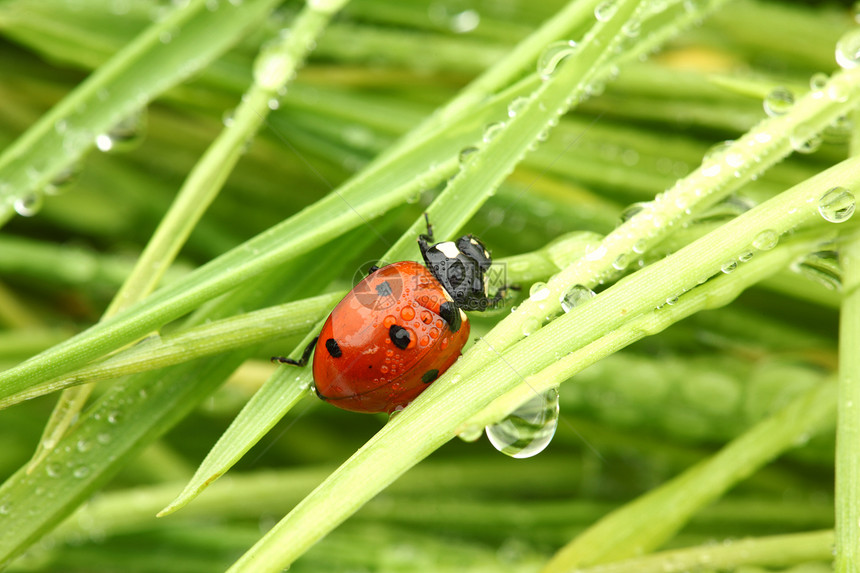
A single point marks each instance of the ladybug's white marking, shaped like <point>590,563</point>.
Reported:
<point>449,249</point>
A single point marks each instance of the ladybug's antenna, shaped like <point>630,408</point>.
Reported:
<point>429,234</point>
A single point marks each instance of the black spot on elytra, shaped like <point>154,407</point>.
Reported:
<point>429,376</point>
<point>399,336</point>
<point>451,314</point>
<point>333,348</point>
<point>383,289</point>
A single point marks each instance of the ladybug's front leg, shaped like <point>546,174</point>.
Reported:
<point>303,361</point>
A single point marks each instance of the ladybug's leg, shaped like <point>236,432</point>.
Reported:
<point>301,361</point>
<point>372,269</point>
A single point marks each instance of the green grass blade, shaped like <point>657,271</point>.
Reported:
<point>138,73</point>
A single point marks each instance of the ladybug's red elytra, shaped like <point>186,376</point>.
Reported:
<point>401,327</point>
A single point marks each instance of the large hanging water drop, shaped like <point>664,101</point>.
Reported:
<point>778,102</point>
<point>528,430</point>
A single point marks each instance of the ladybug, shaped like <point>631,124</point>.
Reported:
<point>401,327</point>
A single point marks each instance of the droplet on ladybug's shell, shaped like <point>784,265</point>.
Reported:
<point>389,352</point>
<point>383,369</point>
<point>425,340</point>
<point>439,323</point>
<point>388,321</point>
<point>434,333</point>
<point>444,343</point>
<point>408,313</point>
<point>426,317</point>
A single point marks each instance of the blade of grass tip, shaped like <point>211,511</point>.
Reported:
<point>135,75</point>
<point>848,428</point>
<point>774,551</point>
<point>632,529</point>
<point>433,418</point>
<point>274,68</point>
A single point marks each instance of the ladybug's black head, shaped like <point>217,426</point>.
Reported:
<point>460,267</point>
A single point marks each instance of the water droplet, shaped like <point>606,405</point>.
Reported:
<point>805,138</point>
<point>745,257</point>
<point>125,134</point>
<point>530,326</point>
<point>604,11</point>
<point>81,472</point>
<point>632,28</point>
<point>492,130</point>
<point>848,49</point>
<point>640,246</point>
<point>621,261</point>
<point>467,154</point>
<point>465,21</point>
<point>539,291</point>
<point>470,433</point>
<point>5,509</point>
<point>552,56</point>
<point>29,204</point>
<point>517,105</point>
<point>818,81</point>
<point>528,430</point>
<point>634,210</point>
<point>114,417</point>
<point>672,300</point>
<point>822,267</point>
<point>575,296</point>
<point>729,266</point>
<point>778,102</point>
<point>273,68</point>
<point>83,445</point>
<point>63,180</point>
<point>766,240</point>
<point>53,470</point>
<point>594,252</point>
<point>837,205</point>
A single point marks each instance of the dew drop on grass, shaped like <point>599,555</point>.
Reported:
<point>575,296</point>
<point>818,81</point>
<point>604,11</point>
<point>64,179</point>
<point>848,49</point>
<point>778,102</point>
<point>766,240</point>
<point>467,154</point>
<point>530,326</point>
<point>837,205</point>
<point>464,21</point>
<point>633,210</point>
<point>492,130</point>
<point>517,105</point>
<point>125,135</point>
<point>804,138</point>
<point>552,56</point>
<point>729,266</point>
<point>29,204</point>
<point>470,433</point>
<point>528,430</point>
<point>538,291</point>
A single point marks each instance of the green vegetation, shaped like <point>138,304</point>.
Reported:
<point>188,187</point>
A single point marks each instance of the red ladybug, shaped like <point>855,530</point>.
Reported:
<point>401,327</point>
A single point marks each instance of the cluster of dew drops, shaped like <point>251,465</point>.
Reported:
<point>529,429</point>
